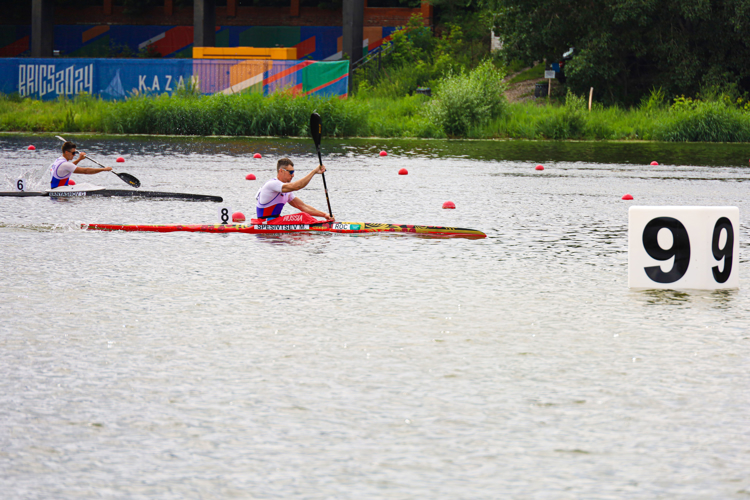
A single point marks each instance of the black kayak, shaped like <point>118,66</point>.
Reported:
<point>106,193</point>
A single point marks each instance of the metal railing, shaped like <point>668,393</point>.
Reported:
<point>375,54</point>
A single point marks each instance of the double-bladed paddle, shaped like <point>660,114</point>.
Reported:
<point>316,129</point>
<point>125,177</point>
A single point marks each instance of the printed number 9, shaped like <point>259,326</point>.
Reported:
<point>680,249</point>
<point>224,215</point>
<point>723,253</point>
<point>19,184</point>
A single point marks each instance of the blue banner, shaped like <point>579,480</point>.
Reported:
<point>109,79</point>
<point>114,79</point>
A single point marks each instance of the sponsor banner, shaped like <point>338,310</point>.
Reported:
<point>39,80</point>
<point>115,79</point>
<point>119,78</point>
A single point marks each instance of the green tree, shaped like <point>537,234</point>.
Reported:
<point>623,48</point>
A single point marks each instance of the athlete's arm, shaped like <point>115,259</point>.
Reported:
<point>299,184</point>
<point>81,156</point>
<point>304,207</point>
<point>91,170</point>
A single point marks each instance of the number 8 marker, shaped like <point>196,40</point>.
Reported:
<point>225,215</point>
<point>703,253</point>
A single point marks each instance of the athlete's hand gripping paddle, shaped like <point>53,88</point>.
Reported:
<point>125,177</point>
<point>316,129</point>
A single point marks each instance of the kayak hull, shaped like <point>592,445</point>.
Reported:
<point>107,193</point>
<point>325,227</point>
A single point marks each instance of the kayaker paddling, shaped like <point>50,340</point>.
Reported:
<point>271,198</point>
<point>62,168</point>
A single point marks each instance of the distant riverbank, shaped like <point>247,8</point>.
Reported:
<point>284,115</point>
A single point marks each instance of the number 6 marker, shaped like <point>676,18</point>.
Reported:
<point>683,247</point>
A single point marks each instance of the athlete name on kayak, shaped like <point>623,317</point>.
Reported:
<point>67,193</point>
<point>284,227</point>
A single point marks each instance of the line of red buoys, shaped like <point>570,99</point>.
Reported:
<point>403,171</point>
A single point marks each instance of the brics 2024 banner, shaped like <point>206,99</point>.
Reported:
<point>114,79</point>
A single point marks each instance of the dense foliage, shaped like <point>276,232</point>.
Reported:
<point>417,57</point>
<point>720,120</point>
<point>467,100</point>
<point>623,48</point>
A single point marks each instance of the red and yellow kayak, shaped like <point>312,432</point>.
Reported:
<point>294,223</point>
<point>325,227</point>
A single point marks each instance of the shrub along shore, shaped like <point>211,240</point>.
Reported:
<point>463,106</point>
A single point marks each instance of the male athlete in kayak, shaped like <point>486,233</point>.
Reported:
<point>62,168</point>
<point>271,198</point>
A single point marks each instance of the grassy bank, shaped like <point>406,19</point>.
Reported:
<point>363,116</point>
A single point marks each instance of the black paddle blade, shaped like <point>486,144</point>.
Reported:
<point>129,179</point>
<point>316,128</point>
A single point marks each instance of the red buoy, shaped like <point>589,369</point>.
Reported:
<point>250,177</point>
<point>257,155</point>
<point>654,163</point>
<point>539,167</point>
<point>383,153</point>
<point>449,204</point>
<point>238,217</point>
<point>627,197</point>
<point>71,182</point>
<point>32,148</point>
<point>120,159</point>
<point>403,171</point>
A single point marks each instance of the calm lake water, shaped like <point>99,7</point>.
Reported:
<point>173,366</point>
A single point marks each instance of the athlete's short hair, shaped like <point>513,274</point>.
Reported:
<point>284,162</point>
<point>67,146</point>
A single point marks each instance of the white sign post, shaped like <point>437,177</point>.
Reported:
<point>549,75</point>
<point>225,215</point>
<point>683,247</point>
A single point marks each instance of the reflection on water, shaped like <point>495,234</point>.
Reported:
<point>189,365</point>
<point>292,239</point>
<point>721,299</point>
<point>666,297</point>
<point>137,148</point>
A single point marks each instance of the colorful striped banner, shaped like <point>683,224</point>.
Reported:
<point>114,79</point>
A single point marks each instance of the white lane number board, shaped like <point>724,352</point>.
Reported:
<point>225,215</point>
<point>683,247</point>
<point>21,185</point>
